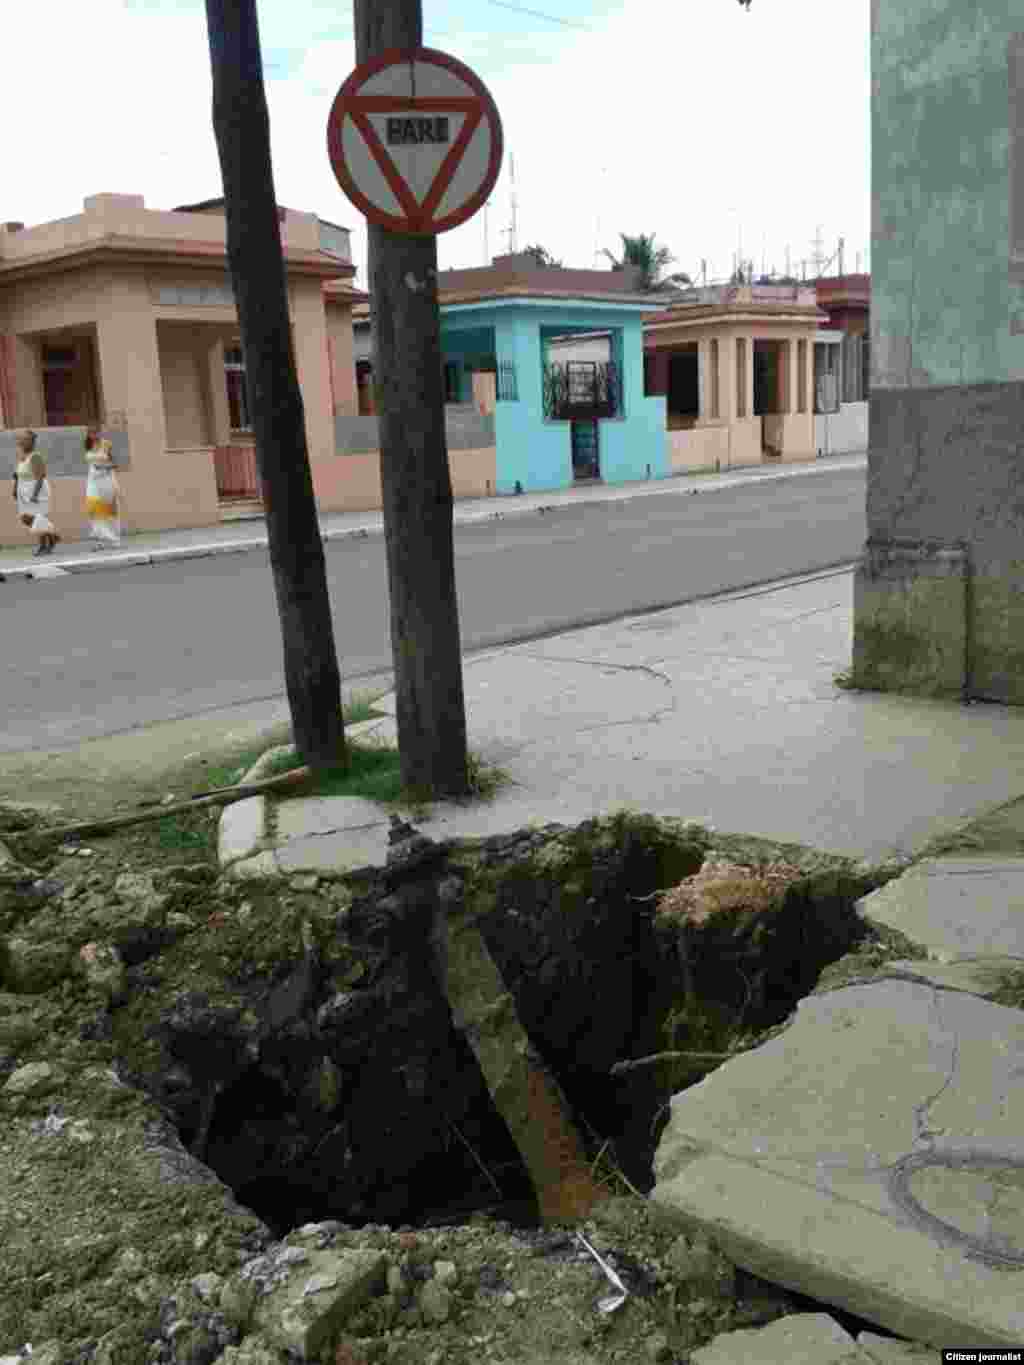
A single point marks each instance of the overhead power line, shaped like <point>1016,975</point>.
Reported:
<point>537,14</point>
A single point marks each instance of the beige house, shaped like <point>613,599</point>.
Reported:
<point>736,366</point>
<point>124,316</point>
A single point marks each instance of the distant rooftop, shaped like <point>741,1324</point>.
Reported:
<point>519,273</point>
<point>738,295</point>
<point>831,287</point>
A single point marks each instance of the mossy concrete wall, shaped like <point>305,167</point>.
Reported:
<point>947,400</point>
<point>911,619</point>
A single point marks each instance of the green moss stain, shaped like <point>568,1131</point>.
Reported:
<point>891,656</point>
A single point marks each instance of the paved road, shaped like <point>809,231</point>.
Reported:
<point>93,654</point>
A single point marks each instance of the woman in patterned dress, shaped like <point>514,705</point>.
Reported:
<point>102,492</point>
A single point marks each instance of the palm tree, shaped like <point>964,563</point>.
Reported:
<point>652,259</point>
<point>542,256</point>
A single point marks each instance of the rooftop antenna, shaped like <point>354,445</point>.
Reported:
<point>597,221</point>
<point>818,257</point>
<point>513,230</point>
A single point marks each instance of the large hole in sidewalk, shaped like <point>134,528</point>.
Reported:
<point>381,1161</point>
<point>370,1106</point>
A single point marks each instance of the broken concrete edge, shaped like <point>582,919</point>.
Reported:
<point>809,1336</point>
<point>923,908</point>
<point>927,1283</point>
<point>243,828</point>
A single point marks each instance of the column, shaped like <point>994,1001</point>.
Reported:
<point>128,359</point>
<point>703,380</point>
<point>530,450</point>
<point>309,340</point>
<point>809,374</point>
<point>27,407</point>
<point>747,376</point>
<point>218,424</point>
<point>727,394</point>
<point>625,352</point>
<point>787,377</point>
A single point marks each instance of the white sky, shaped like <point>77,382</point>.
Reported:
<point>693,119</point>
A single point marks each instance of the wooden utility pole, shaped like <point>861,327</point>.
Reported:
<point>242,129</point>
<point>415,481</point>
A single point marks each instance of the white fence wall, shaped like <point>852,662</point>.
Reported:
<point>843,432</point>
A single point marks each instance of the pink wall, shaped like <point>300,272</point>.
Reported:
<point>189,499</point>
<point>181,371</point>
<point>351,483</point>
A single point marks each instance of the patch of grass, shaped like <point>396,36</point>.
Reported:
<point>225,769</point>
<point>185,834</point>
<point>1011,990</point>
<point>374,772</point>
<point>485,779</point>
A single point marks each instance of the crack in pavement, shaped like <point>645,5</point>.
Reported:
<point>600,663</point>
<point>922,1134</point>
<point>325,833</point>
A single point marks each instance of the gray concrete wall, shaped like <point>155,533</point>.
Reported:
<point>62,449</point>
<point>844,432</point>
<point>466,429</point>
<point>945,468</point>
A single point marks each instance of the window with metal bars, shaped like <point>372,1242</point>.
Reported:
<point>240,413</point>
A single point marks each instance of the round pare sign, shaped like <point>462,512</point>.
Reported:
<point>414,139</point>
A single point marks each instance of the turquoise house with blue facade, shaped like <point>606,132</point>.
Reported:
<point>557,357</point>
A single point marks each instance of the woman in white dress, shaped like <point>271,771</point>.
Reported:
<point>102,492</point>
<point>32,493</point>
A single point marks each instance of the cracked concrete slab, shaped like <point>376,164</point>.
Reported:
<point>308,816</point>
<point>330,833</point>
<point>887,1351</point>
<point>871,1156</point>
<point>956,907</point>
<point>980,976</point>
<point>809,1339</point>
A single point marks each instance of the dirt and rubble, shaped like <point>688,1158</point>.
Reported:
<point>210,1088</point>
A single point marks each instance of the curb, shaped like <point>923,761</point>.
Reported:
<point>511,508</point>
<point>242,828</point>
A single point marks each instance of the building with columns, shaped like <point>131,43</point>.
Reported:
<point>735,364</point>
<point>124,316</point>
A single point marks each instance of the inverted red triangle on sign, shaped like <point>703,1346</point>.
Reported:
<point>415,141</point>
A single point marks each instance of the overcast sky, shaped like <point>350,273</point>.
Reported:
<point>696,120</point>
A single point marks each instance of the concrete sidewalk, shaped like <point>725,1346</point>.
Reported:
<point>241,536</point>
<point>724,711</point>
